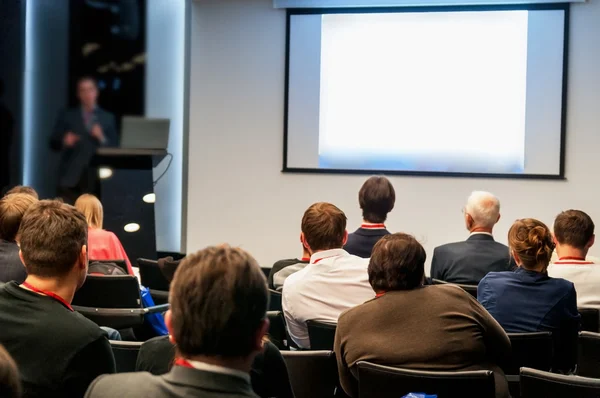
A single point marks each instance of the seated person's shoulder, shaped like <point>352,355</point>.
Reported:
<point>449,247</point>
<point>563,284</point>
<point>119,384</point>
<point>497,277</point>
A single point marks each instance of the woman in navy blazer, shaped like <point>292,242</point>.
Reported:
<point>528,300</point>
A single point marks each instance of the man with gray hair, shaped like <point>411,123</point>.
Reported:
<point>469,261</point>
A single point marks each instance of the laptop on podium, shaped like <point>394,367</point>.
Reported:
<point>144,133</point>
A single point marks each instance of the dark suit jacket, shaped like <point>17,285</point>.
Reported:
<point>179,382</point>
<point>469,261</point>
<point>75,161</point>
<point>360,243</point>
<point>11,267</point>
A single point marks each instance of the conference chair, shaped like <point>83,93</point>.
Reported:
<point>125,353</point>
<point>532,350</point>
<point>378,381</point>
<point>540,384</point>
<point>277,332</point>
<point>275,300</point>
<point>113,301</point>
<point>152,277</point>
<point>590,319</point>
<point>119,263</point>
<point>588,360</point>
<point>321,335</point>
<point>266,271</point>
<point>471,289</point>
<point>313,374</point>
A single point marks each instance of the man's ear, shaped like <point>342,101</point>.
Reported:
<point>498,219</point>
<point>554,240</point>
<point>21,257</point>
<point>83,258</point>
<point>345,238</point>
<point>261,332</point>
<point>591,242</point>
<point>169,324</point>
<point>304,242</point>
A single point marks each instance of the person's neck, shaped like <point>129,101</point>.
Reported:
<point>88,108</point>
<point>62,287</point>
<point>305,254</point>
<point>540,268</point>
<point>243,364</point>
<point>569,251</point>
<point>480,230</point>
<point>371,222</point>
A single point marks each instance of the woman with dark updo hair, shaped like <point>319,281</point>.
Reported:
<point>527,299</point>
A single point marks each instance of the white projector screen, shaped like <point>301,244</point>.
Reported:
<point>472,91</point>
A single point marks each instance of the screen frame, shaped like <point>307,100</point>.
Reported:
<point>363,10</point>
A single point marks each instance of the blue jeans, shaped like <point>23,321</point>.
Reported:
<point>113,334</point>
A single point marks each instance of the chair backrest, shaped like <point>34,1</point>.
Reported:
<point>151,276</point>
<point>126,353</point>
<point>118,262</point>
<point>275,300</point>
<point>109,291</point>
<point>277,333</point>
<point>378,381</point>
<point>532,350</point>
<point>590,319</point>
<point>321,335</point>
<point>471,289</point>
<point>313,374</point>
<point>540,384</point>
<point>266,271</point>
<point>588,362</point>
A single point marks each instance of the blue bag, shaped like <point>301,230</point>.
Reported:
<point>419,395</point>
<point>155,320</point>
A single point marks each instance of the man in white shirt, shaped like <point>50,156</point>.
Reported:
<point>573,236</point>
<point>332,282</point>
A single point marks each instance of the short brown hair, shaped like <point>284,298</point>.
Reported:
<point>324,226</point>
<point>397,263</point>
<point>10,383</point>
<point>532,241</point>
<point>574,228</point>
<point>376,198</point>
<point>51,237</point>
<point>12,210</point>
<point>218,300</point>
<point>23,189</point>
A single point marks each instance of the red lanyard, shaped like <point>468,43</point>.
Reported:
<point>305,259</point>
<point>373,226</point>
<point>183,362</point>
<point>576,260</point>
<point>323,258</point>
<point>379,295</point>
<point>49,294</point>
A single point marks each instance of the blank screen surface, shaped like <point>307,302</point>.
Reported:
<point>144,133</point>
<point>474,92</point>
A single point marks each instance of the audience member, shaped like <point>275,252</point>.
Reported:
<point>284,268</point>
<point>10,385</point>
<point>333,282</point>
<point>58,351</point>
<point>376,199</point>
<point>469,261</point>
<point>23,190</point>
<point>103,245</point>
<point>573,236</point>
<point>413,326</point>
<point>268,375</point>
<point>528,300</point>
<point>217,321</point>
<point>12,209</point>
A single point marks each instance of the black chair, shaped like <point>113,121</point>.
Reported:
<point>152,277</point>
<point>378,381</point>
<point>588,360</point>
<point>313,374</point>
<point>126,353</point>
<point>540,384</point>
<point>277,333</point>
<point>321,335</point>
<point>266,271</point>
<point>113,301</point>
<point>471,289</point>
<point>590,320</point>
<point>275,300</point>
<point>532,350</point>
<point>120,263</point>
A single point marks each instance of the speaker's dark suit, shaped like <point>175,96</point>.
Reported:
<point>469,261</point>
<point>75,161</point>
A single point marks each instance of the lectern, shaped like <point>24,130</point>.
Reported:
<point>125,184</point>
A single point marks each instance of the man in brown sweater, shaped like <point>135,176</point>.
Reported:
<point>411,326</point>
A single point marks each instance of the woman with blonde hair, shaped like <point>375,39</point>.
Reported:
<point>527,299</point>
<point>102,244</point>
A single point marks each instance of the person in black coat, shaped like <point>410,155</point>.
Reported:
<point>77,135</point>
<point>469,261</point>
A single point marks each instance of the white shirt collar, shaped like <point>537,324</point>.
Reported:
<point>481,233</point>
<point>316,257</point>
<point>219,369</point>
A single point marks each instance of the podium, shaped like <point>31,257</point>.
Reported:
<point>126,180</point>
